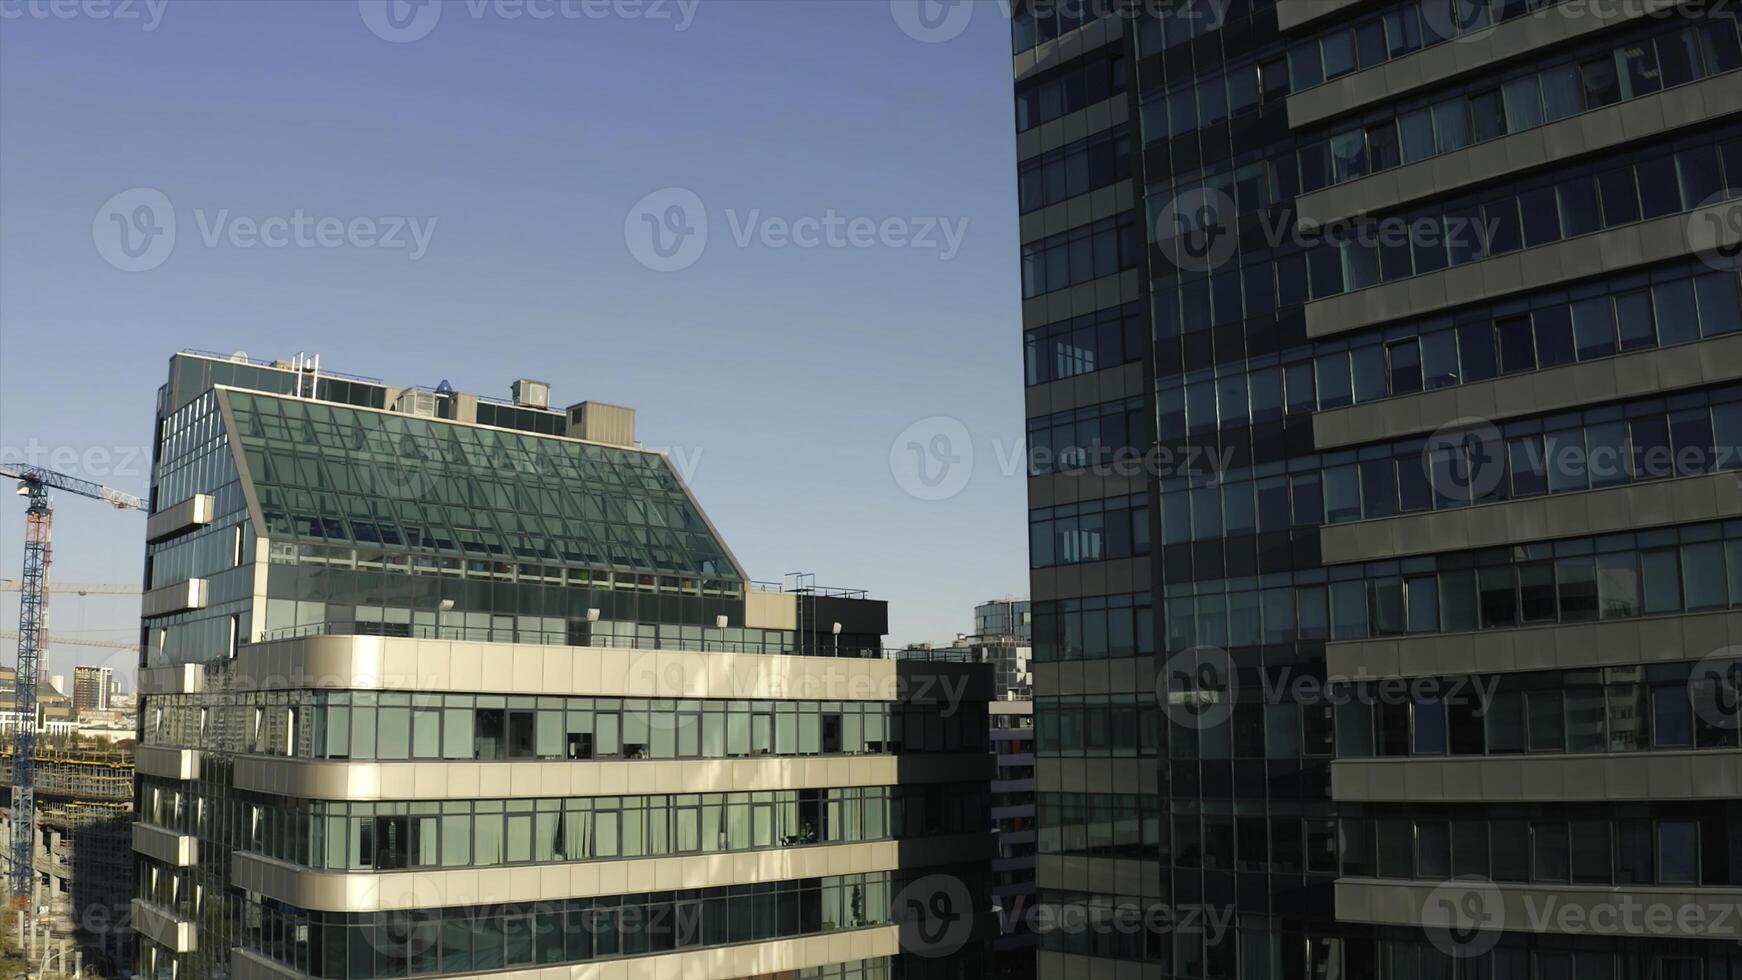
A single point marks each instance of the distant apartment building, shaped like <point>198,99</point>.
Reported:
<point>92,687</point>
<point>440,685</point>
<point>1003,642</point>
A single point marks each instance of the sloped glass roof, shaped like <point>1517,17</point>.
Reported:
<point>334,474</point>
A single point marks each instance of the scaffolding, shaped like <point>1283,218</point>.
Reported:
<point>82,861</point>
<point>78,771</point>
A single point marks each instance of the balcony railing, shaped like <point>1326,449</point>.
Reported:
<point>473,634</point>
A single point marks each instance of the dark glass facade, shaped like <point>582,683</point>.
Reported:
<point>1215,376</point>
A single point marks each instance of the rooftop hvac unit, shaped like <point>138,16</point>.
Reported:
<point>531,394</point>
<point>416,401</point>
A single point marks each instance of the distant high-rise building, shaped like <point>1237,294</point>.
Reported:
<point>1004,617</point>
<point>440,685</point>
<point>92,687</point>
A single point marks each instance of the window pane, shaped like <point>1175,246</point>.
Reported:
<point>1720,311</point>
<point>1523,104</point>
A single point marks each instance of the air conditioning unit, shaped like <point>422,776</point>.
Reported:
<point>531,394</point>
<point>416,401</point>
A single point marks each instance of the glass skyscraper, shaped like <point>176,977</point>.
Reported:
<point>440,685</point>
<point>1384,396</point>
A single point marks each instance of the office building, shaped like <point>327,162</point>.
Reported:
<point>440,685</point>
<point>91,689</point>
<point>1003,617</point>
<point>1396,340</point>
<point>1013,800</point>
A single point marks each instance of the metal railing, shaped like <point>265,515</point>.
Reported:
<point>468,634</point>
<point>826,592</point>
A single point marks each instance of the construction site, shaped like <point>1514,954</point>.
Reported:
<point>66,772</point>
<point>82,861</point>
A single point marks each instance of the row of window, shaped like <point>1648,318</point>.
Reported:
<point>395,725</point>
<point>1124,825</point>
<point>485,833</point>
<point>1637,68</point>
<point>1621,315</point>
<point>1065,90</point>
<point>1095,627</point>
<point>1548,209</point>
<point>1080,436</point>
<point>479,939</point>
<point>1610,446</point>
<point>1590,849</point>
<point>1077,168</point>
<point>1178,21</point>
<point>1212,98</point>
<point>1401,30</point>
<point>1094,530</point>
<point>1035,21</point>
<point>1097,725</point>
<point>1578,588</point>
<point>1658,572</point>
<point>1612,709</point>
<point>1080,255</point>
<point>1092,342</point>
<point>1629,316</point>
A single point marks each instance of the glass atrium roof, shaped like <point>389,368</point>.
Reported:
<point>331,473</point>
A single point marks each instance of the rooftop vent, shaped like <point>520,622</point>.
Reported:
<point>416,401</point>
<point>531,394</point>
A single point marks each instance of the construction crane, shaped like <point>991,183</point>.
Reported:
<point>63,640</point>
<point>34,483</point>
<point>82,588</point>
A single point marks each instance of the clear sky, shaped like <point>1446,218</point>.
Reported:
<point>486,175</point>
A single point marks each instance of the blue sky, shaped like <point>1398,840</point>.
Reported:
<point>521,148</point>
